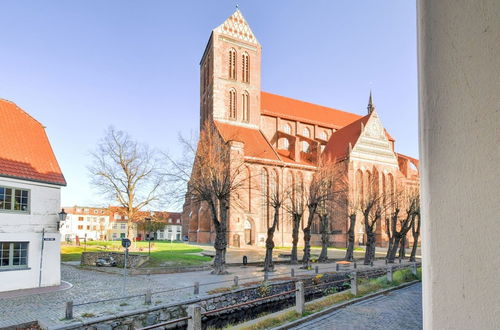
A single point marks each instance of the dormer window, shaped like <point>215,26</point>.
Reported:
<point>232,64</point>
<point>305,146</point>
<point>323,136</point>
<point>287,129</point>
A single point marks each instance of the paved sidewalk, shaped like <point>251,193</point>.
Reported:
<point>400,309</point>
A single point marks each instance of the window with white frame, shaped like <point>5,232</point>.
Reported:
<point>123,226</point>
<point>13,255</point>
<point>13,199</point>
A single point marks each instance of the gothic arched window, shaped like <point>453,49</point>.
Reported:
<point>323,136</point>
<point>246,106</point>
<point>245,67</point>
<point>232,104</point>
<point>232,63</point>
<point>287,129</point>
<point>306,132</point>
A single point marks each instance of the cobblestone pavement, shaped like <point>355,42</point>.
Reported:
<point>90,286</point>
<point>401,309</point>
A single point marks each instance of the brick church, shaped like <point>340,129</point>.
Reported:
<point>281,138</point>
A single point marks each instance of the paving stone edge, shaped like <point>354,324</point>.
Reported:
<point>340,306</point>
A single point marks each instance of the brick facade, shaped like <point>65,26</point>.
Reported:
<point>283,138</point>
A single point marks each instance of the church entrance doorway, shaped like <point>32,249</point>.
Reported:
<point>248,232</point>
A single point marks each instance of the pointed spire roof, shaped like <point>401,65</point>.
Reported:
<point>370,107</point>
<point>237,27</point>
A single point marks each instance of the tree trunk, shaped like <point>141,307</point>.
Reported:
<point>415,229</point>
<point>268,260</point>
<point>390,235</point>
<point>402,248</point>
<point>220,244</point>
<point>306,259</point>
<point>306,263</point>
<point>394,249</point>
<point>349,255</point>
<point>295,237</point>
<point>325,238</point>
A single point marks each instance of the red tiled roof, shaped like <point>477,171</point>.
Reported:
<point>25,150</point>
<point>284,107</point>
<point>256,145</point>
<point>338,145</point>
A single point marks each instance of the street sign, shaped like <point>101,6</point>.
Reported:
<point>49,238</point>
<point>126,243</point>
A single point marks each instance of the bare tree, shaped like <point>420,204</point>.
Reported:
<point>352,211</point>
<point>415,229</point>
<point>211,176</point>
<point>320,190</point>
<point>295,206</point>
<point>372,206</point>
<point>276,199</point>
<point>126,172</point>
<point>403,224</point>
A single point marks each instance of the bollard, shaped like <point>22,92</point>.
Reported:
<point>266,276</point>
<point>414,268</point>
<point>371,263</point>
<point>299,297</point>
<point>355,265</point>
<point>245,260</point>
<point>336,267</point>
<point>354,283</point>
<point>386,261</point>
<point>147,297</point>
<point>389,274</point>
<point>69,310</point>
<point>235,280</point>
<point>196,287</point>
<point>292,272</point>
<point>194,314</point>
<point>316,269</point>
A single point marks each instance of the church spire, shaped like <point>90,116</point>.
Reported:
<point>370,106</point>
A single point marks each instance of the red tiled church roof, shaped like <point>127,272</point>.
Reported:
<point>338,145</point>
<point>284,107</point>
<point>256,144</point>
<point>25,151</point>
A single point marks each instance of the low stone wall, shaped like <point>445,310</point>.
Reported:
<point>160,313</point>
<point>133,260</point>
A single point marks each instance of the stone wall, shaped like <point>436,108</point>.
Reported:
<point>133,261</point>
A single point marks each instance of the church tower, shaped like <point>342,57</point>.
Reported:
<point>230,74</point>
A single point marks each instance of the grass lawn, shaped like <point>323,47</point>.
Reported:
<point>163,254</point>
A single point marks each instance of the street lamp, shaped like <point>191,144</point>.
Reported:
<point>62,217</point>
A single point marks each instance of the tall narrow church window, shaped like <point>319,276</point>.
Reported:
<point>245,67</point>
<point>232,104</point>
<point>246,106</point>
<point>232,64</point>
<point>264,175</point>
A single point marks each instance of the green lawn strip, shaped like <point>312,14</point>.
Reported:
<point>162,253</point>
<point>364,287</point>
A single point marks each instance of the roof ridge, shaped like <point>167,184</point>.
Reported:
<point>307,102</point>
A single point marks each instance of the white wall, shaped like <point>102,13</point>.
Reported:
<point>45,201</point>
<point>459,81</point>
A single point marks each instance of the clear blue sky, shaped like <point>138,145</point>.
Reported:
<point>80,66</point>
